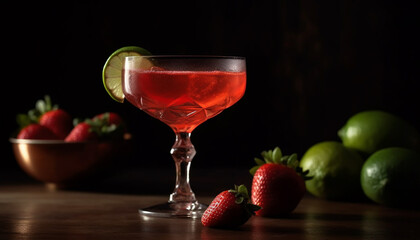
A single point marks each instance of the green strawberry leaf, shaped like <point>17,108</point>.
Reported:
<point>242,197</point>
<point>276,156</point>
<point>23,120</point>
<point>292,161</point>
<point>267,156</point>
<point>103,129</point>
<point>239,200</point>
<point>45,105</point>
<point>253,208</point>
<point>41,106</point>
<point>243,191</point>
<point>33,115</point>
<point>258,161</point>
<point>254,169</point>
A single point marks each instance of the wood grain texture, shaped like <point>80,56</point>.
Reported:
<point>33,212</point>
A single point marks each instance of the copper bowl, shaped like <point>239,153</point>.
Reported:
<point>60,164</point>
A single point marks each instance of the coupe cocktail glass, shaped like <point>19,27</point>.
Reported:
<point>182,92</point>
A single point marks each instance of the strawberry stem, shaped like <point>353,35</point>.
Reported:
<point>242,198</point>
<point>275,156</point>
<point>41,106</point>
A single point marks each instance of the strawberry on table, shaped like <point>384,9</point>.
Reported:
<point>229,209</point>
<point>36,131</point>
<point>278,184</point>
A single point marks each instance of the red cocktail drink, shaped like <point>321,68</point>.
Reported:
<point>183,99</point>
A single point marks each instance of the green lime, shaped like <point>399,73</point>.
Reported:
<point>111,73</point>
<point>390,177</point>
<point>335,170</point>
<point>370,131</point>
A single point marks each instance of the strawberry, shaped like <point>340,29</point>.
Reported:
<point>48,115</point>
<point>36,131</point>
<point>278,184</point>
<point>111,118</point>
<point>109,126</point>
<point>101,127</point>
<point>58,121</point>
<point>229,209</point>
<point>81,132</point>
<point>113,122</point>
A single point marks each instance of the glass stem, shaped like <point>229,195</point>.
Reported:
<point>182,152</point>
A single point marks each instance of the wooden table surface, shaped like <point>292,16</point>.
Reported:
<point>31,211</point>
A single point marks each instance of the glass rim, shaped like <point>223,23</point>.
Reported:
<point>189,57</point>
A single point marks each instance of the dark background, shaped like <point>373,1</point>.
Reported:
<point>310,66</point>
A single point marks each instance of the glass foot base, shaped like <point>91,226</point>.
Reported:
<point>175,210</point>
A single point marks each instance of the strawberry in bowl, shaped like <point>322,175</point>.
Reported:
<point>58,121</point>
<point>51,149</point>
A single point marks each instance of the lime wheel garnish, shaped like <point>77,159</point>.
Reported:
<point>111,73</point>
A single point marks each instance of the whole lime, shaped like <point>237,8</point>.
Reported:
<point>370,131</point>
<point>335,170</point>
<point>390,177</point>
